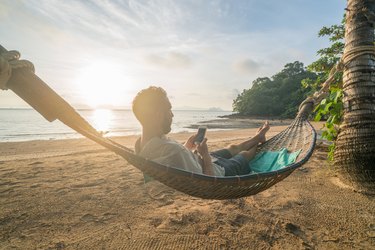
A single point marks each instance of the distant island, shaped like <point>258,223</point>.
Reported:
<point>215,109</point>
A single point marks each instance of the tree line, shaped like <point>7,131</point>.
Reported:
<point>281,95</point>
<point>278,96</point>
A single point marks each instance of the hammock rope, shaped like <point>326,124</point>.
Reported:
<point>18,75</point>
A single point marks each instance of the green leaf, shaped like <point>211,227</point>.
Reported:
<point>318,117</point>
<point>326,109</point>
<point>333,119</point>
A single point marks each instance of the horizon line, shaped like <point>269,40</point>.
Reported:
<point>127,109</point>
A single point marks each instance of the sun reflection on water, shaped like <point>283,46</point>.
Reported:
<point>102,119</point>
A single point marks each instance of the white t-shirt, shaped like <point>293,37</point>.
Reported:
<point>168,152</point>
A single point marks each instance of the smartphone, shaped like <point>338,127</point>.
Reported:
<point>200,135</point>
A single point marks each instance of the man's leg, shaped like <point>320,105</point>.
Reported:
<point>260,137</point>
<point>249,154</point>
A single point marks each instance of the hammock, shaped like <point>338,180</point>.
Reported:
<point>300,135</point>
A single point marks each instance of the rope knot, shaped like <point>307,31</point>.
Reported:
<point>309,99</point>
<point>9,61</point>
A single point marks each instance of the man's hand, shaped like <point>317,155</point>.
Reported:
<point>189,144</point>
<point>202,148</point>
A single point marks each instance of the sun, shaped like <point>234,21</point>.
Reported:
<point>104,84</point>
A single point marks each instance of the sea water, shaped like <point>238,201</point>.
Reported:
<point>27,124</point>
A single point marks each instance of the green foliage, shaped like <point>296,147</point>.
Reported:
<point>278,96</point>
<point>330,108</point>
<point>281,94</point>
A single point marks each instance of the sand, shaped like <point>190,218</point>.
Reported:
<point>73,194</point>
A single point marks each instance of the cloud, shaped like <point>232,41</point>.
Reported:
<point>233,94</point>
<point>194,94</point>
<point>4,10</point>
<point>185,46</point>
<point>247,66</point>
<point>170,60</point>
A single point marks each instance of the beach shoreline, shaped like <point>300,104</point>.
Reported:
<point>235,130</point>
<point>74,194</point>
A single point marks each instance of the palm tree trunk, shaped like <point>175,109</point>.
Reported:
<point>355,145</point>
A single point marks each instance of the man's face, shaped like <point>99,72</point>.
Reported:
<point>166,118</point>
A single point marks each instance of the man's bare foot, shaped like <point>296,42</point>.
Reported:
<point>262,132</point>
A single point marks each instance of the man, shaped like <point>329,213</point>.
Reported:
<point>153,110</point>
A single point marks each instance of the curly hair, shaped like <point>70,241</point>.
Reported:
<point>148,101</point>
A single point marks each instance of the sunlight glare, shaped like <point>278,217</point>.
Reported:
<point>104,84</point>
<point>101,119</point>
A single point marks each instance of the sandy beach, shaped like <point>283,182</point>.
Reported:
<point>74,194</point>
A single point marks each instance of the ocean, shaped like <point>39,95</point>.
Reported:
<point>28,125</point>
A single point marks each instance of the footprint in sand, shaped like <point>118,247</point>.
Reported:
<point>89,184</point>
<point>107,216</point>
<point>160,193</point>
<point>297,231</point>
<point>156,222</point>
<point>36,163</point>
<point>93,218</point>
<point>294,229</point>
<point>89,218</point>
<point>36,185</point>
<point>240,220</point>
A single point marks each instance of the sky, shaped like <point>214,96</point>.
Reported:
<point>100,53</point>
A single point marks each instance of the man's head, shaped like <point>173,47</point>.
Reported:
<point>152,108</point>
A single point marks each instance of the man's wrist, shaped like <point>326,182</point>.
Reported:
<point>206,156</point>
<point>207,164</point>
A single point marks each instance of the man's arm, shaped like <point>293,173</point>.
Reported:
<point>207,167</point>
